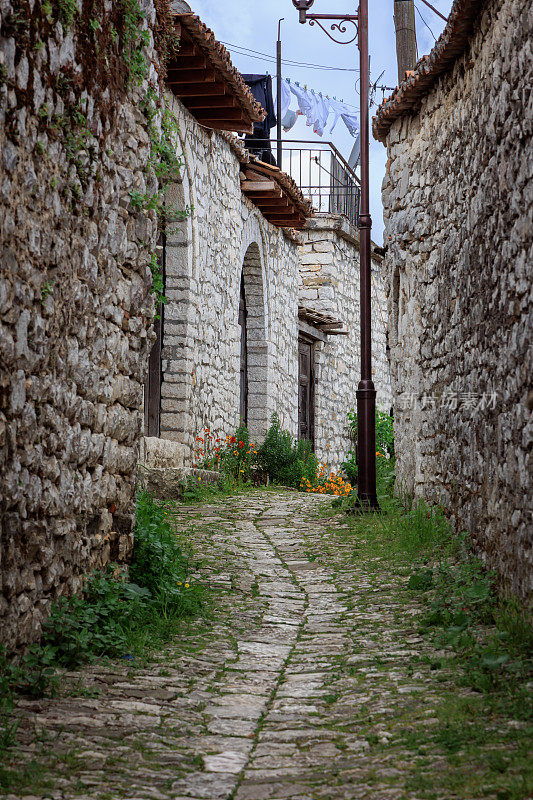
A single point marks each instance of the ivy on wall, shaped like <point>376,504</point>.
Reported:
<point>112,58</point>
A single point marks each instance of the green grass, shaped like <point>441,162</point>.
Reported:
<point>117,616</point>
<point>483,671</point>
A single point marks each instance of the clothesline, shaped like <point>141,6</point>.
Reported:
<point>316,108</point>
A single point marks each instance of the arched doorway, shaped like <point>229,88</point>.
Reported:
<point>243,399</point>
<point>253,344</point>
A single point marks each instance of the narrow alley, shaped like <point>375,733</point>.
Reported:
<point>307,679</point>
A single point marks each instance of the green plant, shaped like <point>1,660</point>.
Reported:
<point>137,199</point>
<point>96,623</point>
<point>384,449</point>
<point>158,563</point>
<point>158,284</point>
<point>134,40</point>
<point>46,290</point>
<point>238,456</point>
<point>66,10</point>
<point>278,457</point>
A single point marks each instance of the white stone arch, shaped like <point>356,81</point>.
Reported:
<point>177,358</point>
<point>253,234</point>
<point>253,273</point>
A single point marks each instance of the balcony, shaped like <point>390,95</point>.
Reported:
<point>322,174</point>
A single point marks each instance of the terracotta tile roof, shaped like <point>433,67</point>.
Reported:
<point>218,76</point>
<point>287,184</point>
<point>418,82</point>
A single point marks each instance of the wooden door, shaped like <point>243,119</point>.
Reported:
<point>243,403</point>
<point>152,386</point>
<point>306,390</point>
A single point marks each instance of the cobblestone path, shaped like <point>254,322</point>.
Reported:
<point>299,686</point>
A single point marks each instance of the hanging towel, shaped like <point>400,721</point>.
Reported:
<point>351,122</point>
<point>285,98</point>
<point>356,153</point>
<point>289,119</point>
<point>304,101</point>
<point>338,109</point>
<point>322,114</point>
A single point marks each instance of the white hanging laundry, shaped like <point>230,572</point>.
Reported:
<point>289,119</point>
<point>338,109</point>
<point>322,114</point>
<point>353,161</point>
<point>312,113</point>
<point>285,97</point>
<point>304,101</point>
<point>351,122</point>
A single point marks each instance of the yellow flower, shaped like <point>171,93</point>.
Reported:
<point>179,583</point>
<point>186,585</point>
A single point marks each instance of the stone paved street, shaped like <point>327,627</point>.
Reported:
<point>300,684</point>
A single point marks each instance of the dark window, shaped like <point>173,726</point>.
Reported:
<point>306,390</point>
<point>152,387</point>
<point>243,408</point>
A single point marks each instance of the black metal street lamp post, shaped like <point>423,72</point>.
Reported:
<point>366,392</point>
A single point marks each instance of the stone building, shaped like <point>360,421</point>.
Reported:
<point>75,303</point>
<point>458,210</point>
<point>78,232</point>
<point>261,318</point>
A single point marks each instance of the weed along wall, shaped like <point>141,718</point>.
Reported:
<point>458,211</point>
<point>75,300</point>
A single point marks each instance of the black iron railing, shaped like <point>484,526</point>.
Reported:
<point>323,175</point>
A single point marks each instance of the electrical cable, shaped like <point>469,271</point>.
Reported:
<point>425,23</point>
<point>259,55</point>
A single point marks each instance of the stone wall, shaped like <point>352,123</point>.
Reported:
<point>329,282</point>
<point>75,307</point>
<point>458,211</point>
<point>206,254</point>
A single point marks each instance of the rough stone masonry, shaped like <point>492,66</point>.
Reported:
<point>75,303</point>
<point>458,201</point>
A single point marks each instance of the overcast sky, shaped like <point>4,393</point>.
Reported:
<point>253,24</point>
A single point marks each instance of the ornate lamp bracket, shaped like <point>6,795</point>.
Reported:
<point>339,25</point>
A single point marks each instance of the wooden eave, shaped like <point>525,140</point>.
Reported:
<point>270,190</point>
<point>322,322</point>
<point>202,76</point>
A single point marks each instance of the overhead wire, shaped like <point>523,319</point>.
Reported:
<point>425,23</point>
<point>257,54</point>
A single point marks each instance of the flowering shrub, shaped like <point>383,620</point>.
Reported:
<point>285,461</point>
<point>325,483</point>
<point>207,451</point>
<point>238,455</point>
<point>234,455</point>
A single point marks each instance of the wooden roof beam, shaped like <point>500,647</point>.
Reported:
<point>211,101</point>
<point>226,125</point>
<point>186,76</point>
<point>198,89</point>
<point>226,114</point>
<point>180,63</point>
<point>260,186</point>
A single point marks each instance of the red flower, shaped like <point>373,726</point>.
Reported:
<point>241,444</point>
<point>232,439</point>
